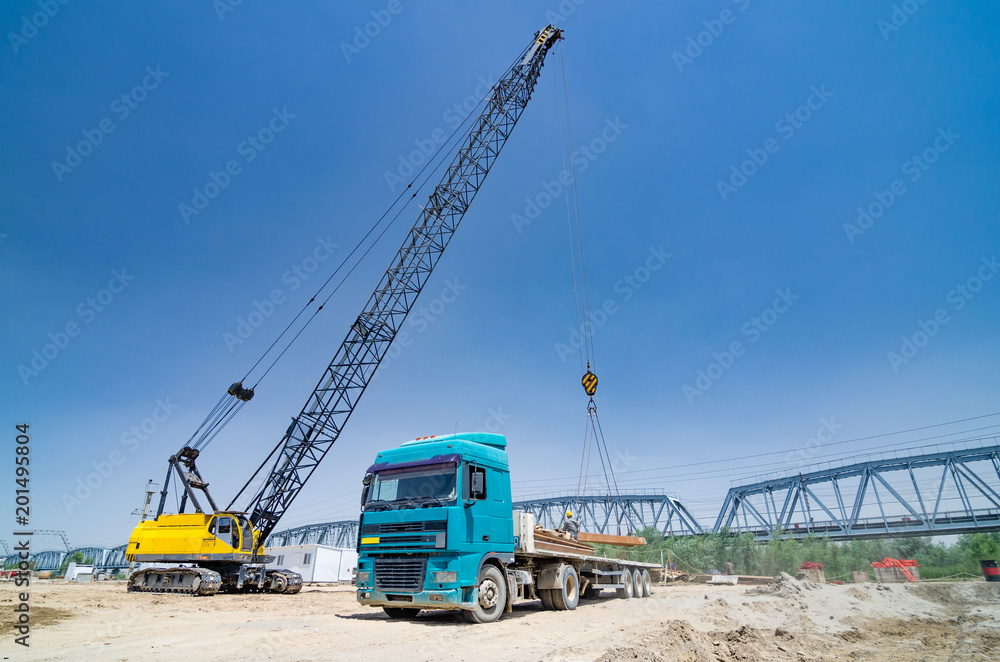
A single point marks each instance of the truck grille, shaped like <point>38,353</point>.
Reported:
<point>404,527</point>
<point>400,574</point>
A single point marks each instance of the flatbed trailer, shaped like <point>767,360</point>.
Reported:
<point>559,577</point>
<point>438,531</point>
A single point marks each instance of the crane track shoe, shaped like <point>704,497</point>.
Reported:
<point>187,581</point>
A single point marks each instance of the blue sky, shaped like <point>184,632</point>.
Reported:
<point>822,106</point>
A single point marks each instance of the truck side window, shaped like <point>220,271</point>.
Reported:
<point>477,482</point>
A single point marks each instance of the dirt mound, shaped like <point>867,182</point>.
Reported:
<point>784,586</point>
<point>679,641</point>
<point>958,594</point>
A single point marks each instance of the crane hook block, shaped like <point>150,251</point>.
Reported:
<point>589,382</point>
<point>244,394</point>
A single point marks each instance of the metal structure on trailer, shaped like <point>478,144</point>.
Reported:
<point>945,492</point>
<point>343,534</point>
<point>610,513</point>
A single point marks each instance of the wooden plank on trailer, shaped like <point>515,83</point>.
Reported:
<point>608,539</point>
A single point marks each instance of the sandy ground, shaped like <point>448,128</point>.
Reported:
<point>789,620</point>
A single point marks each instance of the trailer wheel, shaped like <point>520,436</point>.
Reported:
<point>638,589</point>
<point>400,612</point>
<point>647,584</point>
<point>492,597</point>
<point>568,596</point>
<point>628,590</point>
<point>545,595</point>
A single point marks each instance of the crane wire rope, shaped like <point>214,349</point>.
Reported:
<point>593,433</point>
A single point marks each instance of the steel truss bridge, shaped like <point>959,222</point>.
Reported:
<point>945,492</point>
<point>618,513</point>
<point>343,534</point>
<point>105,558</point>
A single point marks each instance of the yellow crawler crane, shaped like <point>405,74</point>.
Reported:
<point>222,548</point>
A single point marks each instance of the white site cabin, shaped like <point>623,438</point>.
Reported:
<point>316,563</point>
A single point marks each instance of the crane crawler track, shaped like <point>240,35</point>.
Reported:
<point>187,581</point>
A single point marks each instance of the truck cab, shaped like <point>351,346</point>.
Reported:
<point>436,530</point>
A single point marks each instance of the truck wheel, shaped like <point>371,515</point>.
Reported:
<point>400,612</point>
<point>492,597</point>
<point>647,584</point>
<point>591,593</point>
<point>627,591</point>
<point>545,595</point>
<point>568,596</point>
<point>638,589</point>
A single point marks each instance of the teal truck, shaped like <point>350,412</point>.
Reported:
<point>438,531</point>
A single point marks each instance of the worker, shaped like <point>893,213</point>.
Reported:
<point>570,525</point>
<point>729,567</point>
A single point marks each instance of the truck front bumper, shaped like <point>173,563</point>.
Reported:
<point>448,598</point>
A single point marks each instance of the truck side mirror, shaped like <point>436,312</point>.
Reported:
<point>478,486</point>
<point>364,490</point>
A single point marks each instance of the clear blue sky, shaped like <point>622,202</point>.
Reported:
<point>836,99</point>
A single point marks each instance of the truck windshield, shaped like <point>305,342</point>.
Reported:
<point>412,487</point>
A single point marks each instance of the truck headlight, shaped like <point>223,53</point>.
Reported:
<point>364,576</point>
<point>441,577</point>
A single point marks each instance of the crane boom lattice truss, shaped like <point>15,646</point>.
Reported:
<point>331,403</point>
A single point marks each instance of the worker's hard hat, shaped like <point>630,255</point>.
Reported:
<point>569,513</point>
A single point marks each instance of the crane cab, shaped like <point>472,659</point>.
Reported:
<point>223,536</point>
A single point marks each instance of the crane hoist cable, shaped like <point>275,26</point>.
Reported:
<point>236,397</point>
<point>593,433</point>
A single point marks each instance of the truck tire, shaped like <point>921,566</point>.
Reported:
<point>545,595</point>
<point>492,597</point>
<point>567,597</point>
<point>628,590</point>
<point>639,589</point>
<point>400,612</point>
<point>647,584</point>
<point>591,593</point>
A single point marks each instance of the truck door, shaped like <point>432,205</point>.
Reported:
<point>474,496</point>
